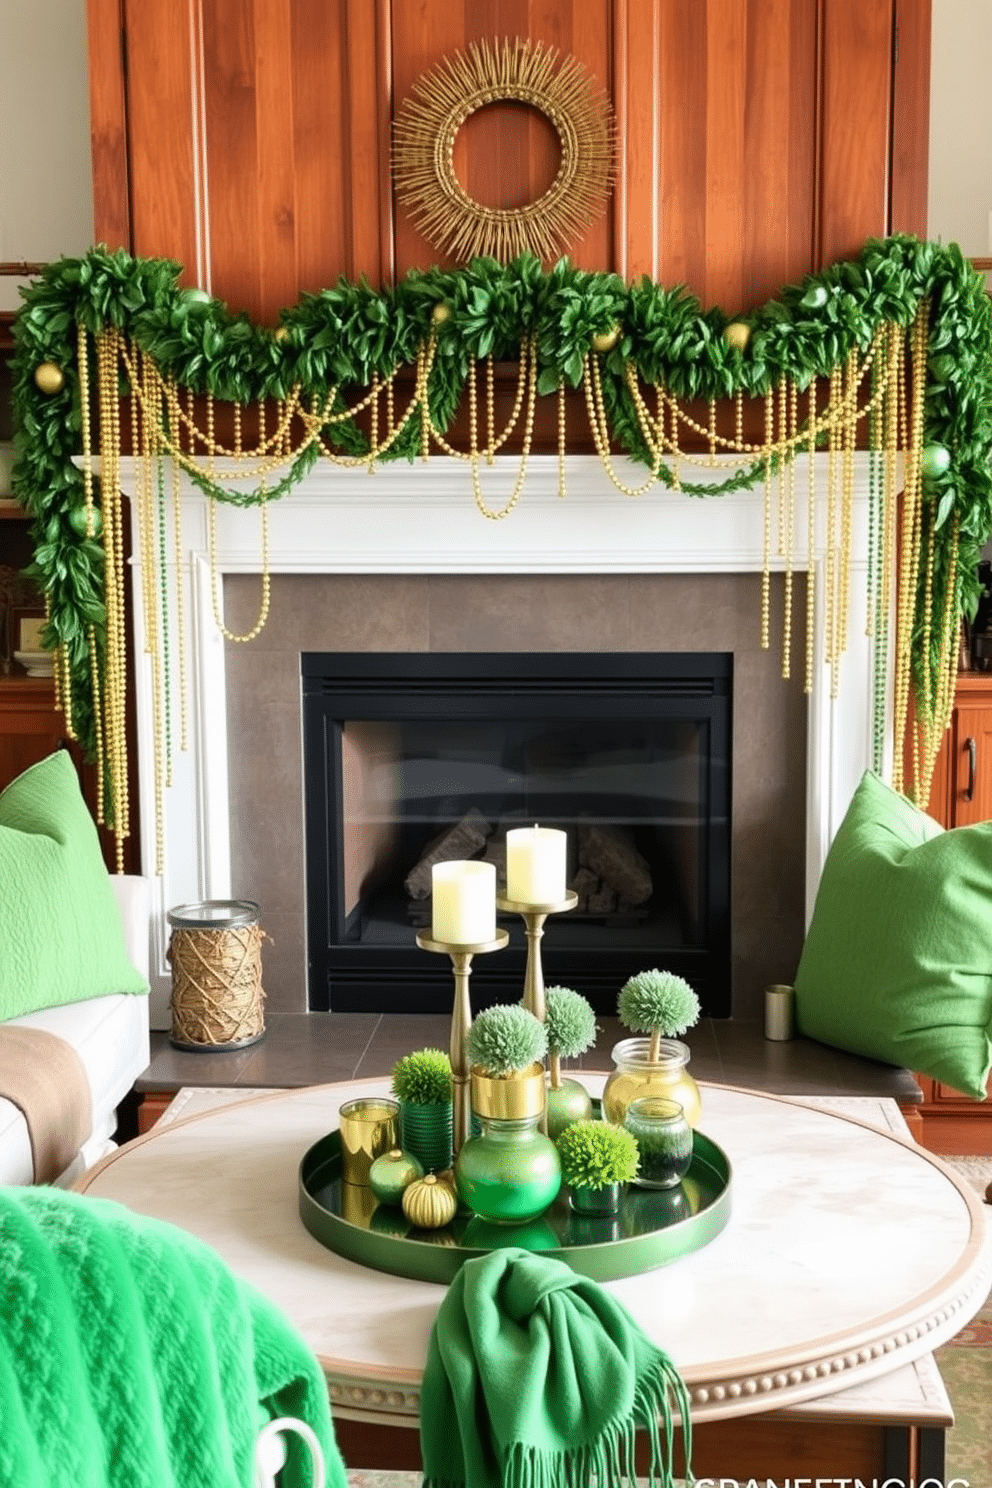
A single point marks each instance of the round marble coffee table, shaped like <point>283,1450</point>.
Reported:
<point>849,1253</point>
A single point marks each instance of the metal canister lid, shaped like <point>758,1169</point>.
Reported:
<point>213,914</point>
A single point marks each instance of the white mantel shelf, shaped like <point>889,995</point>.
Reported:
<point>421,518</point>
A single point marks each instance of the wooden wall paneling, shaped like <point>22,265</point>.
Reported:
<point>855,90</point>
<point>233,194</point>
<point>278,274</point>
<point>421,35</point>
<point>737,141</point>
<point>779,157</point>
<point>681,161</point>
<point>320,143</point>
<point>108,124</point>
<point>908,195</point>
<point>165,175</point>
<point>368,155</point>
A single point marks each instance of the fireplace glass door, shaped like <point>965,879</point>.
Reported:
<point>414,756</point>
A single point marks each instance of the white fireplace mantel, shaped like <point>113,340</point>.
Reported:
<point>422,519</point>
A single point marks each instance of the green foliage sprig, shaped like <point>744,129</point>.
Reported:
<point>422,1078</point>
<point>505,1039</point>
<point>594,1154</point>
<point>347,335</point>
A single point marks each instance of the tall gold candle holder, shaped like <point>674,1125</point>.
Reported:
<point>461,1022</point>
<point>534,916</point>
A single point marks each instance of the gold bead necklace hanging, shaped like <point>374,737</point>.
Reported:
<point>766,524</point>
<point>792,419</point>
<point>109,348</point>
<point>180,628</point>
<point>96,691</point>
<point>528,351</point>
<point>810,540</point>
<point>215,599</point>
<point>562,489</point>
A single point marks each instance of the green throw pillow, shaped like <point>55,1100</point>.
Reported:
<point>898,960</point>
<point>61,938</point>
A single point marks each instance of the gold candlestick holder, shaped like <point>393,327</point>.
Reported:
<point>461,1022</point>
<point>534,916</point>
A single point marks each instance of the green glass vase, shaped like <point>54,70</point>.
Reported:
<point>510,1173</point>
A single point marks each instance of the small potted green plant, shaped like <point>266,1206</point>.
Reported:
<point>571,1027</point>
<point>504,1048</point>
<point>597,1159</point>
<point>509,1173</point>
<point>421,1082</point>
<point>660,1005</point>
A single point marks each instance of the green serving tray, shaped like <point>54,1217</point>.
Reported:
<point>652,1227</point>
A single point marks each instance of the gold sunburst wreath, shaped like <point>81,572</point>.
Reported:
<point>441,101</point>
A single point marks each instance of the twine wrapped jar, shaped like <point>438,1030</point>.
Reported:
<point>215,951</point>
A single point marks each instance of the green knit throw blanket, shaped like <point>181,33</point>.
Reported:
<point>537,1378</point>
<point>131,1357</point>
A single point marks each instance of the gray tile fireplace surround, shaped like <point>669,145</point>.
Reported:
<point>584,612</point>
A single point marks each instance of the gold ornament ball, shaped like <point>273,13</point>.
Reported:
<point>49,378</point>
<point>280,333</point>
<point>737,335</point>
<point>429,1203</point>
<point>606,340</point>
<point>441,313</point>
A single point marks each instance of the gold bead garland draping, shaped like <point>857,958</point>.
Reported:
<point>879,392</point>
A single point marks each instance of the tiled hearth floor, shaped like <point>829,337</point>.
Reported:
<point>316,1048</point>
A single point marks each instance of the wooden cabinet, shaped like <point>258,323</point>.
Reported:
<point>962,794</point>
<point>756,139</point>
<point>30,727</point>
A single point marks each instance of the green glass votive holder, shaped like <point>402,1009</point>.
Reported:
<point>664,1141</point>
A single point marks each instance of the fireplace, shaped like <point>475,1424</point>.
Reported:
<point>402,561</point>
<point>408,756</point>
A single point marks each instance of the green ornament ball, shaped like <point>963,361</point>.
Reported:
<point>77,521</point>
<point>391,1173</point>
<point>934,460</point>
<point>568,1103</point>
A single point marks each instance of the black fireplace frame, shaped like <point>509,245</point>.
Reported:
<point>337,687</point>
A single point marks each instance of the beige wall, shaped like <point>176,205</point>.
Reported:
<point>961,125</point>
<point>46,196</point>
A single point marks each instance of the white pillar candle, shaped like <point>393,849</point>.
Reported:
<point>536,865</point>
<point>463,910</point>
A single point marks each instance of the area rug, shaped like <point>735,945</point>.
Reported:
<point>965,1364</point>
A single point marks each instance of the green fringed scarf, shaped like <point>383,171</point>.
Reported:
<point>537,1378</point>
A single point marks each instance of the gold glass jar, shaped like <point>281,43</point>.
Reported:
<point>637,1075</point>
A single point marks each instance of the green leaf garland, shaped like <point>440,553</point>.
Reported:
<point>353,333</point>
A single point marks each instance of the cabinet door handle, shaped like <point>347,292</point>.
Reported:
<point>972,749</point>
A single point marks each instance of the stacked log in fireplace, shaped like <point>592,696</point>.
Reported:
<point>611,877</point>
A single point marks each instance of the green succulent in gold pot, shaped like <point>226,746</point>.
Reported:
<point>509,1173</point>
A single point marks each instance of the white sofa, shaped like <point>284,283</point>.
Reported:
<point>110,1035</point>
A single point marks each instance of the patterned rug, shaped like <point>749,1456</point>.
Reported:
<point>965,1364</point>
